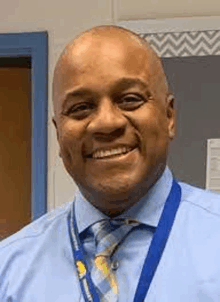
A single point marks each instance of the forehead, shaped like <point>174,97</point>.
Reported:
<point>98,58</point>
<point>102,54</point>
<point>101,40</point>
<point>105,58</point>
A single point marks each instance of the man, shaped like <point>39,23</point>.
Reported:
<point>114,118</point>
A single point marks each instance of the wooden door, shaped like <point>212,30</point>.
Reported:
<point>15,149</point>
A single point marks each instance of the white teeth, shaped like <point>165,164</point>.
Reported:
<point>107,153</point>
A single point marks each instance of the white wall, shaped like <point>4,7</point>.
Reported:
<point>63,20</point>
<point>142,9</point>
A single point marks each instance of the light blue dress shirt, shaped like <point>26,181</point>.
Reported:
<point>36,264</point>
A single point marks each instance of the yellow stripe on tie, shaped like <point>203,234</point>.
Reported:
<point>102,264</point>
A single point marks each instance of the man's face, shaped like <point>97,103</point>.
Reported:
<point>113,120</point>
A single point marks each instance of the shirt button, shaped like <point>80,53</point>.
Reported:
<point>114,265</point>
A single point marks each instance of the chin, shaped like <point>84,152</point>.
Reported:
<point>114,189</point>
<point>113,198</point>
<point>135,186</point>
<point>118,189</point>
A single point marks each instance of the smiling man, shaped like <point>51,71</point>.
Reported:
<point>114,117</point>
<point>132,233</point>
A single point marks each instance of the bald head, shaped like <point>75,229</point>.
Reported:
<point>100,33</point>
<point>108,43</point>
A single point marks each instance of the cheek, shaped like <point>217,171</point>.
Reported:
<point>154,133</point>
<point>69,140</point>
<point>71,154</point>
<point>70,131</point>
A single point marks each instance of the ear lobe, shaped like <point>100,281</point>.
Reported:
<point>171,116</point>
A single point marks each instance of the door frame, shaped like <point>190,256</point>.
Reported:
<point>34,45</point>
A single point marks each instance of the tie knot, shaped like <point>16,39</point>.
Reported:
<point>109,233</point>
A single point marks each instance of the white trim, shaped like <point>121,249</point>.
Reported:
<point>114,11</point>
<point>172,25</point>
<point>212,144</point>
<point>208,165</point>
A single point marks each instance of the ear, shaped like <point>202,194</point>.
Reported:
<point>55,124</point>
<point>171,115</point>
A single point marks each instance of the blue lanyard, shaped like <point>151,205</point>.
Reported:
<point>152,260</point>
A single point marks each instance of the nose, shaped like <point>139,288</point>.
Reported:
<point>108,122</point>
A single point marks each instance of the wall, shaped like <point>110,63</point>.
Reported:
<point>195,83</point>
<point>65,19</point>
<point>152,9</point>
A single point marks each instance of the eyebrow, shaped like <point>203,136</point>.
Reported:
<point>126,83</point>
<point>121,84</point>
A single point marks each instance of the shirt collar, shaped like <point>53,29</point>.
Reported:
<point>148,210</point>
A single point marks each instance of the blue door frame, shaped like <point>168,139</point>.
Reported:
<point>34,45</point>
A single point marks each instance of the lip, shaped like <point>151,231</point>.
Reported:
<point>117,158</point>
<point>129,148</point>
<point>115,162</point>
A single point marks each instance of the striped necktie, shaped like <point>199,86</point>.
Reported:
<point>108,234</point>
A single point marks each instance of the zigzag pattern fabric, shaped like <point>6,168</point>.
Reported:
<point>185,44</point>
<point>108,234</point>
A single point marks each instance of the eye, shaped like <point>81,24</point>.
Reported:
<point>80,110</point>
<point>130,102</point>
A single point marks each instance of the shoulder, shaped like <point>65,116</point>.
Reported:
<point>196,233</point>
<point>198,217</point>
<point>200,199</point>
<point>37,228</point>
<point>33,244</point>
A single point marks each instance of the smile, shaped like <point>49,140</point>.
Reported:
<point>108,153</point>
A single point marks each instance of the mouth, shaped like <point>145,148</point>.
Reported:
<point>106,153</point>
